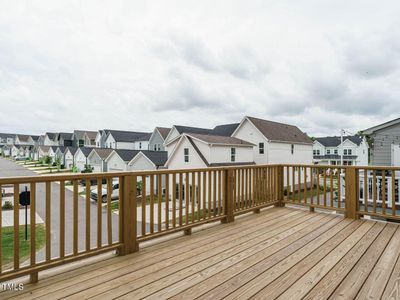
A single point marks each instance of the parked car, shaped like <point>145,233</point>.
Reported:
<point>114,193</point>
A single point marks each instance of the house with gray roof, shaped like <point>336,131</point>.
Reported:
<point>7,139</point>
<point>157,138</point>
<point>328,150</point>
<point>127,140</point>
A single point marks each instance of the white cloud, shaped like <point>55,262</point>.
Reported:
<point>134,64</point>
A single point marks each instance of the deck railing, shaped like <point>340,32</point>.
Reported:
<point>72,217</point>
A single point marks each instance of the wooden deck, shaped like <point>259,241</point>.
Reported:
<point>280,253</point>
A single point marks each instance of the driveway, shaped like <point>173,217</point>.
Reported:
<point>11,169</point>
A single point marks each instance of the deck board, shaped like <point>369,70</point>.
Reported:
<point>280,253</point>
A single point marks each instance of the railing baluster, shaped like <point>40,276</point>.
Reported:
<point>365,190</point>
<point>293,183</point>
<point>331,185</point>
<point>204,196</point>
<point>99,207</point>
<point>75,217</point>
<point>318,188</point>
<point>33,276</point>
<point>180,198</point>
<point>120,207</point>
<point>199,212</point>
<point>393,193</point>
<point>151,203</point>
<point>62,218</point>
<point>214,193</point>
<point>143,204</point>
<point>166,196</point>
<point>109,215</point>
<point>48,221</point>
<point>16,227</point>
<point>173,186</point>
<point>193,195</point>
<point>383,192</point>
<point>299,185</point>
<point>374,190</point>
<point>220,210</point>
<point>159,201</point>
<point>87,219</point>
<point>339,171</point>
<point>311,185</point>
<point>187,196</point>
<point>305,185</point>
<point>325,186</point>
<point>209,193</point>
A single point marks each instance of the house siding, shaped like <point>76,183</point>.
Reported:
<point>156,139</point>
<point>381,152</point>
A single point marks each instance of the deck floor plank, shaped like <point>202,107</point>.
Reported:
<point>284,253</point>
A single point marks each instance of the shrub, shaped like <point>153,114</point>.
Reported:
<point>74,169</point>
<point>8,205</point>
<point>47,160</point>
<point>88,169</point>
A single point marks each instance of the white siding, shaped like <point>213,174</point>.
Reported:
<point>115,164</point>
<point>177,160</point>
<point>80,160</point>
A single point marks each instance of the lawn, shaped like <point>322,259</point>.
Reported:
<point>115,204</point>
<point>7,242</point>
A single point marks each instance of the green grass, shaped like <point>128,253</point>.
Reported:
<point>295,195</point>
<point>7,242</point>
<point>115,204</point>
<point>203,213</point>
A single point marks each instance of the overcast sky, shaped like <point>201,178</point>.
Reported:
<point>321,65</point>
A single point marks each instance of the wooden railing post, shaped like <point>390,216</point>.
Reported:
<point>279,181</point>
<point>352,187</point>
<point>129,218</point>
<point>228,196</point>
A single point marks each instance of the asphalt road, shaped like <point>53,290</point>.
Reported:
<point>11,169</point>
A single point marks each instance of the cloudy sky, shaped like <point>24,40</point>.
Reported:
<point>321,65</point>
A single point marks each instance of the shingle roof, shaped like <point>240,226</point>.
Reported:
<point>7,135</point>
<point>91,134</point>
<point>281,132</point>
<point>220,140</point>
<point>334,141</point>
<point>127,155</point>
<point>66,135</point>
<point>163,131</point>
<point>86,150</point>
<point>51,135</point>
<point>187,129</point>
<point>103,152</point>
<point>72,150</point>
<point>61,148</point>
<point>44,148</point>
<point>225,130</point>
<point>54,148</point>
<point>79,134</point>
<point>129,136</point>
<point>35,137</point>
<point>159,158</point>
<point>23,137</point>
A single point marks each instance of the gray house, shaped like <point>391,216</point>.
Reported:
<point>157,138</point>
<point>384,139</point>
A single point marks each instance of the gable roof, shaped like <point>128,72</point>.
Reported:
<point>163,131</point>
<point>126,155</point>
<point>35,137</point>
<point>51,135</point>
<point>44,148</point>
<point>158,158</point>
<point>54,148</point>
<point>23,137</point>
<point>381,126</point>
<point>79,134</point>
<point>65,136</point>
<point>103,153</point>
<point>225,130</point>
<point>71,149</point>
<point>219,140</point>
<point>129,136</point>
<point>280,132</point>
<point>187,129</point>
<point>334,141</point>
<point>61,149</point>
<point>7,135</point>
<point>85,150</point>
<point>91,134</point>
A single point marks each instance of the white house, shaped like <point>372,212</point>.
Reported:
<point>69,157</point>
<point>90,138</point>
<point>5,150</point>
<point>52,153</point>
<point>328,150</point>
<point>118,159</point>
<point>157,138</point>
<point>50,139</point>
<point>17,151</point>
<point>177,130</point>
<point>193,150</point>
<point>127,140</point>
<point>60,154</point>
<point>43,151</point>
<point>7,139</point>
<point>81,158</point>
<point>23,139</point>
<point>100,139</point>
<point>97,159</point>
<point>148,160</point>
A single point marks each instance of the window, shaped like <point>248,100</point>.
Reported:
<point>261,148</point>
<point>349,151</point>
<point>155,147</point>
<point>345,152</point>
<point>292,148</point>
<point>318,152</point>
<point>315,152</point>
<point>81,143</point>
<point>328,151</point>
<point>140,145</point>
<point>336,152</point>
<point>159,147</point>
<point>186,154</point>
<point>233,154</point>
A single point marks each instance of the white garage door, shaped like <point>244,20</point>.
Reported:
<point>96,168</point>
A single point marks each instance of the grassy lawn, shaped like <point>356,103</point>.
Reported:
<point>7,242</point>
<point>202,212</point>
